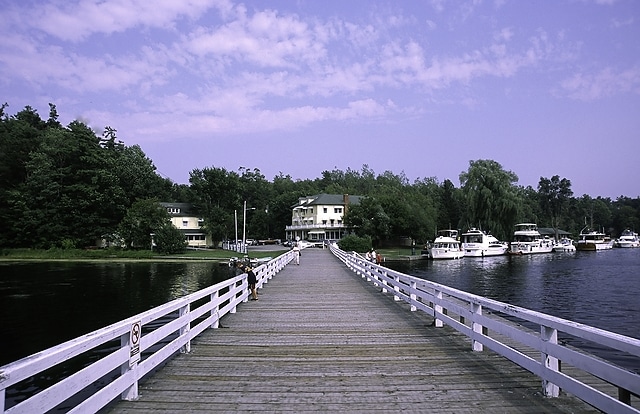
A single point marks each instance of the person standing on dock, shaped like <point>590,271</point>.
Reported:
<point>296,253</point>
<point>251,279</point>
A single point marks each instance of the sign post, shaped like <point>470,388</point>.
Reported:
<point>134,343</point>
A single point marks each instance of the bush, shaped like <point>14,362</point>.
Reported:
<point>355,243</point>
<point>170,240</point>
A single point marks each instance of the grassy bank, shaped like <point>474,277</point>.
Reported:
<point>118,254</point>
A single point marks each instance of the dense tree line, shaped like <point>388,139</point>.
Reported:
<point>65,186</point>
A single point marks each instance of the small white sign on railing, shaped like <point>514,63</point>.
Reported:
<point>134,343</point>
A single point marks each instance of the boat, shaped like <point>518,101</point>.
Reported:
<point>446,246</point>
<point>564,245</point>
<point>476,243</point>
<point>593,240</point>
<point>628,238</point>
<point>528,240</point>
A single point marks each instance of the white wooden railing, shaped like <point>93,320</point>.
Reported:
<point>136,347</point>
<point>502,328</point>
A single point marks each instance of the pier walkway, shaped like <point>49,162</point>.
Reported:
<point>321,339</point>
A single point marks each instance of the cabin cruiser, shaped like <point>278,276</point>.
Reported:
<point>476,243</point>
<point>564,245</point>
<point>593,240</point>
<point>528,240</point>
<point>628,238</point>
<point>446,246</point>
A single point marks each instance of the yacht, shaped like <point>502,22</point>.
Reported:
<point>528,240</point>
<point>446,246</point>
<point>476,243</point>
<point>564,245</point>
<point>593,240</point>
<point>628,238</point>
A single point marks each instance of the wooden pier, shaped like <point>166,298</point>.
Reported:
<point>321,339</point>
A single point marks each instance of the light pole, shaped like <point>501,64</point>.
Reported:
<point>244,226</point>
<point>235,241</point>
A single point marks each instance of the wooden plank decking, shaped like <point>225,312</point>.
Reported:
<point>321,339</point>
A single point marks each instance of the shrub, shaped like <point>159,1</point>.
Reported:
<point>355,243</point>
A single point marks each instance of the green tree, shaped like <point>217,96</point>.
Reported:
<point>554,195</point>
<point>490,196</point>
<point>369,219</point>
<point>144,218</point>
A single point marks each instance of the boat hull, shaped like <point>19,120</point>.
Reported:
<point>443,254</point>
<point>526,248</point>
<point>480,252</point>
<point>592,247</point>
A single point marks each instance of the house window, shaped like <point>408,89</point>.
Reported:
<point>337,210</point>
<point>325,210</point>
<point>185,223</point>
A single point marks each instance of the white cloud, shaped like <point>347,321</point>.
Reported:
<point>605,83</point>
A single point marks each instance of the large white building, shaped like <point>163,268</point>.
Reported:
<point>319,217</point>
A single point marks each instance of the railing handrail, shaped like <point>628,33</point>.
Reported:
<point>483,320</point>
<point>224,298</point>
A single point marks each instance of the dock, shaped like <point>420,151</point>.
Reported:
<point>321,339</point>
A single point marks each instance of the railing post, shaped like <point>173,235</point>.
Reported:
<point>185,328</point>
<point>437,309</point>
<point>215,310</point>
<point>549,362</point>
<point>396,288</point>
<point>131,392</point>
<point>476,310</point>
<point>413,296</point>
<point>384,282</point>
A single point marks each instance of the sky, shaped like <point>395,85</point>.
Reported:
<point>419,88</point>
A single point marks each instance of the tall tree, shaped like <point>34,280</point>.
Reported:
<point>490,195</point>
<point>554,195</point>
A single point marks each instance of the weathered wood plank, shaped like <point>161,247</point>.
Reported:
<point>321,339</point>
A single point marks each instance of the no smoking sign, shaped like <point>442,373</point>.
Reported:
<point>134,342</point>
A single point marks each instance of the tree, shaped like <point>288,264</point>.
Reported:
<point>554,195</point>
<point>490,197</point>
<point>369,219</point>
<point>144,218</point>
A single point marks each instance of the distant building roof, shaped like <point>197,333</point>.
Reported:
<point>550,231</point>
<point>328,199</point>
<point>179,209</point>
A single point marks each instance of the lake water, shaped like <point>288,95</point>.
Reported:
<point>43,304</point>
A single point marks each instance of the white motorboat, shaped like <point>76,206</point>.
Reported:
<point>446,246</point>
<point>476,243</point>
<point>628,238</point>
<point>564,245</point>
<point>528,240</point>
<point>593,240</point>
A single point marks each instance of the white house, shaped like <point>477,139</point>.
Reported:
<point>319,217</point>
<point>185,219</point>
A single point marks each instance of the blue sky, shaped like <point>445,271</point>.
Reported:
<point>549,87</point>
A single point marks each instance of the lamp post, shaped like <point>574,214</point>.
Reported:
<point>244,226</point>
<point>235,241</point>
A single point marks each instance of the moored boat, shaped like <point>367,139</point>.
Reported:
<point>476,243</point>
<point>528,240</point>
<point>593,240</point>
<point>564,245</point>
<point>446,246</point>
<point>628,238</point>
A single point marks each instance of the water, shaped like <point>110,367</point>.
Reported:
<point>600,289</point>
<point>43,304</point>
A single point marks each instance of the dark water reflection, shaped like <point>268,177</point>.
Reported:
<point>43,304</point>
